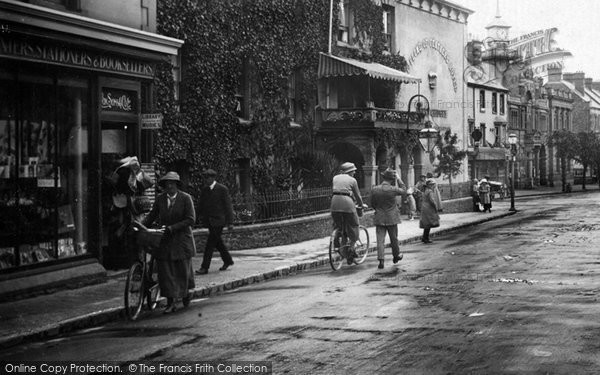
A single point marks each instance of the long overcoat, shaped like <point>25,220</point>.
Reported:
<point>429,210</point>
<point>179,218</point>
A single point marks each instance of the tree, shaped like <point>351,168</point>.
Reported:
<point>587,146</point>
<point>450,157</point>
<point>565,143</point>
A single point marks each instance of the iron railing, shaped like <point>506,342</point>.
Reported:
<point>280,205</point>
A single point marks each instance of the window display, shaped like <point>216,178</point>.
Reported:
<point>43,153</point>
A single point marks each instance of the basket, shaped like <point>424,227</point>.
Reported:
<point>149,238</point>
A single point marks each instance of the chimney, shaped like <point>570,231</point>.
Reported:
<point>588,83</point>
<point>596,86</point>
<point>555,74</point>
<point>577,79</point>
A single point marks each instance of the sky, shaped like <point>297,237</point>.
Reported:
<point>578,24</point>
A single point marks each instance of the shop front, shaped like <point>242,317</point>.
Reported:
<point>72,92</point>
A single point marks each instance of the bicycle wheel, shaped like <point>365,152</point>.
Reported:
<point>134,291</point>
<point>335,254</point>
<point>153,290</point>
<point>362,245</point>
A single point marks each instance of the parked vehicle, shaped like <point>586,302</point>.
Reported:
<point>498,190</point>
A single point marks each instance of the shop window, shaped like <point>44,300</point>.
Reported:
<point>43,175</point>
<point>494,103</point>
<point>388,27</point>
<point>482,100</point>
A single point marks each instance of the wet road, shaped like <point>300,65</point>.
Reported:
<point>514,295</point>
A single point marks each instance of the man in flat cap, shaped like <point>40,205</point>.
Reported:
<point>216,212</point>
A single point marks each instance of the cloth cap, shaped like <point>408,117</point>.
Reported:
<point>389,174</point>
<point>170,176</point>
<point>430,181</point>
<point>347,167</point>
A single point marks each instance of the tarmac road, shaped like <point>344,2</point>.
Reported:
<point>513,295</point>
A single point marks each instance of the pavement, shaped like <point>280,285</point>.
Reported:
<point>53,314</point>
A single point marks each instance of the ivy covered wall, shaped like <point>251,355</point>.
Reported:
<point>276,38</point>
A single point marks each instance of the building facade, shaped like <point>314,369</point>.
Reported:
<point>359,101</point>
<point>76,79</point>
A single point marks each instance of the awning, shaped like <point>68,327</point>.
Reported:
<point>334,66</point>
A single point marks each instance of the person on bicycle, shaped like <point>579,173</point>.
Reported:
<point>346,196</point>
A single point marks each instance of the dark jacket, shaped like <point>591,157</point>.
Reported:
<point>383,200</point>
<point>178,243</point>
<point>215,206</point>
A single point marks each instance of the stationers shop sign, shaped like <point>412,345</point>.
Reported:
<point>18,47</point>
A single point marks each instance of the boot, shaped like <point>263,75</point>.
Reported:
<point>380,266</point>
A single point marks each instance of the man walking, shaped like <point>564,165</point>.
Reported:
<point>387,215</point>
<point>216,212</point>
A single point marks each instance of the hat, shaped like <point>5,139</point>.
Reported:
<point>170,176</point>
<point>389,174</point>
<point>430,181</point>
<point>429,175</point>
<point>483,180</point>
<point>347,167</point>
<point>210,172</point>
<point>129,161</point>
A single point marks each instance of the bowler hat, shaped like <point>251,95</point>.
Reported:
<point>170,176</point>
<point>347,167</point>
<point>389,174</point>
<point>210,172</point>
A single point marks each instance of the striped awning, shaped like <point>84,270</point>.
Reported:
<point>335,66</point>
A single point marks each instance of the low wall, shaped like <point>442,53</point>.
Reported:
<point>297,230</point>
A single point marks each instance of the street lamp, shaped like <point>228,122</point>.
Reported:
<point>512,140</point>
<point>428,136</point>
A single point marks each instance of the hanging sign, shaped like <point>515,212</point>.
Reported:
<point>151,121</point>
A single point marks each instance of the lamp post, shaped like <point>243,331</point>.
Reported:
<point>512,140</point>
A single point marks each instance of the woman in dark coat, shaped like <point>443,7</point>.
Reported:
<point>429,210</point>
<point>174,210</point>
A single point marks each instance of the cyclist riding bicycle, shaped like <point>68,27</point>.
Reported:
<point>346,197</point>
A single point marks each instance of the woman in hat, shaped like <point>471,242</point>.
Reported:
<point>484,195</point>
<point>346,196</point>
<point>174,211</point>
<point>429,210</point>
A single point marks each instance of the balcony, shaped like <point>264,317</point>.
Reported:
<point>367,118</point>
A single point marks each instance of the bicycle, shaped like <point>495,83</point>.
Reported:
<point>339,249</point>
<point>142,278</point>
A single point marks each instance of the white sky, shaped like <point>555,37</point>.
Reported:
<point>578,24</point>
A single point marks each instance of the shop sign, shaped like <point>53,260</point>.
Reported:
<point>115,100</point>
<point>68,55</point>
<point>151,121</point>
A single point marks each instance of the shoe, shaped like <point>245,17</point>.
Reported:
<point>350,260</point>
<point>170,309</point>
<point>186,300</point>
<point>398,258</point>
<point>225,266</point>
<point>380,266</point>
<point>202,271</point>
<point>427,241</point>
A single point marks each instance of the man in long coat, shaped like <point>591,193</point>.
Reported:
<point>174,210</point>
<point>387,215</point>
